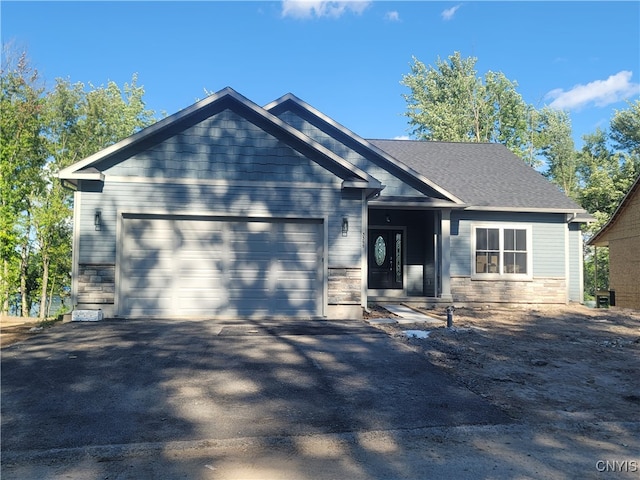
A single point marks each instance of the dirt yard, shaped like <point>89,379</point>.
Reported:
<point>540,365</point>
<point>16,329</point>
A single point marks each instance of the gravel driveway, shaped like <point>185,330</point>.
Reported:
<point>79,390</point>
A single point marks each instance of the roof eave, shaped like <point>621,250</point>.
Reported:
<point>413,204</point>
<point>575,212</point>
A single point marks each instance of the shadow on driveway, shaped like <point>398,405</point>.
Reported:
<point>123,382</point>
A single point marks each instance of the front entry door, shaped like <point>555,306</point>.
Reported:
<point>385,259</point>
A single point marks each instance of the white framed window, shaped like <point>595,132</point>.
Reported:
<point>501,251</point>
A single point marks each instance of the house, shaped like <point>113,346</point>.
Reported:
<point>229,209</point>
<point>622,235</point>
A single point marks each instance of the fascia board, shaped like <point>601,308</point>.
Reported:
<point>364,143</point>
<point>414,204</point>
<point>525,209</point>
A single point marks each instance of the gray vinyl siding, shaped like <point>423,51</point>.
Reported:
<point>225,146</point>
<point>548,237</point>
<point>219,200</point>
<point>393,185</point>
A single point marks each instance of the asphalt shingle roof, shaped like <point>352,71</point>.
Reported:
<point>480,174</point>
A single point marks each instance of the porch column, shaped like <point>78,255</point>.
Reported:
<point>445,255</point>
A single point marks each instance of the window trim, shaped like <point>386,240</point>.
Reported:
<point>501,275</point>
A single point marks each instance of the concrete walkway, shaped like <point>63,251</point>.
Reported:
<point>404,315</point>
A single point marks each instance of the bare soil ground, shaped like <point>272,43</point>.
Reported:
<point>16,329</point>
<point>540,365</point>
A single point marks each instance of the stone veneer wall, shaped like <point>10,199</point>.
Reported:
<point>96,283</point>
<point>538,290</point>
<point>344,286</point>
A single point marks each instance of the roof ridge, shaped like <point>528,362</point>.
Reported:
<point>415,140</point>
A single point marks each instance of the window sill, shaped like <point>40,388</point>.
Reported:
<point>493,277</point>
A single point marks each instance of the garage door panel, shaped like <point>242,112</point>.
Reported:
<point>214,267</point>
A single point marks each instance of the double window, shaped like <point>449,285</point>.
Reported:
<point>501,251</point>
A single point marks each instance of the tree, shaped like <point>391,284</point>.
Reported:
<point>625,129</point>
<point>608,164</point>
<point>553,140</point>
<point>43,132</point>
<point>78,124</point>
<point>450,102</point>
<point>22,155</point>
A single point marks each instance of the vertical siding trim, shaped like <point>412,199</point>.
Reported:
<point>75,247</point>
<point>119,251</point>
<point>445,234</point>
<point>364,251</point>
<point>436,254</point>
<point>567,263</point>
<point>581,265</point>
<point>325,266</point>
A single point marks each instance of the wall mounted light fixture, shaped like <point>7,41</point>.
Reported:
<point>345,226</point>
<point>97,220</point>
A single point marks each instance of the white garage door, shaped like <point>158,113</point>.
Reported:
<point>213,267</point>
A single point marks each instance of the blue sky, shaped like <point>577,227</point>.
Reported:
<point>345,58</point>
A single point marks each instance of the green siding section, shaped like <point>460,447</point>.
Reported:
<point>548,237</point>
<point>394,186</point>
<point>225,146</point>
<point>123,197</point>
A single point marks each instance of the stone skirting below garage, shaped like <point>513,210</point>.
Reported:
<point>96,283</point>
<point>538,290</point>
<point>344,286</point>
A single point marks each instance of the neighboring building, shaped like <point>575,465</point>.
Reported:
<point>622,235</point>
<point>229,209</point>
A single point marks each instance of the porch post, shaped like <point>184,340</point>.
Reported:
<point>445,254</point>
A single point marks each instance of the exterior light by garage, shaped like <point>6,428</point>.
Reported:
<point>345,226</point>
<point>97,220</point>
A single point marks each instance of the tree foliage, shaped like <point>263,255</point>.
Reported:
<point>625,129</point>
<point>42,132</point>
<point>553,140</point>
<point>450,102</point>
<point>22,156</point>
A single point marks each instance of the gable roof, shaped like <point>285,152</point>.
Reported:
<point>486,176</point>
<point>91,167</point>
<point>600,238</point>
<point>290,102</point>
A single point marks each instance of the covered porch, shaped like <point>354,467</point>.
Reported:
<point>408,254</point>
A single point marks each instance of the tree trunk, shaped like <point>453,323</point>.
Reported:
<point>4,285</point>
<point>45,282</point>
<point>53,282</point>
<point>24,261</point>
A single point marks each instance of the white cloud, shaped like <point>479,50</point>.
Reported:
<point>402,137</point>
<point>316,8</point>
<point>392,16</point>
<point>449,12</point>
<point>599,92</point>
